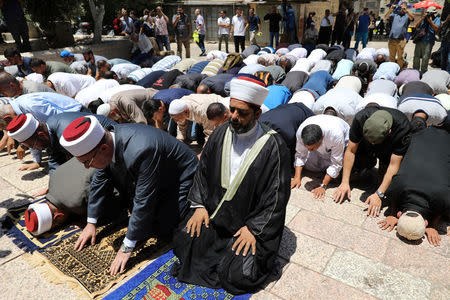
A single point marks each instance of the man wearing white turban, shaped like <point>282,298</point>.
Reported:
<point>238,200</point>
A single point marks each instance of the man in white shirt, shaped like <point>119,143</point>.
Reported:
<point>340,102</point>
<point>127,23</point>
<point>69,84</point>
<point>239,25</point>
<point>142,48</point>
<point>321,141</point>
<point>325,28</point>
<point>224,29</point>
<point>93,92</point>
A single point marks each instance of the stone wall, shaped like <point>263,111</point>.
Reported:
<point>319,8</point>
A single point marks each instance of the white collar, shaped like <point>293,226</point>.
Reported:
<point>114,143</point>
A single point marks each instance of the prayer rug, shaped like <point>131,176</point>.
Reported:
<point>16,229</point>
<point>155,282</point>
<point>90,266</point>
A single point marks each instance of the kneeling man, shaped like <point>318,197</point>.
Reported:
<point>231,238</point>
<point>321,141</point>
<point>144,164</point>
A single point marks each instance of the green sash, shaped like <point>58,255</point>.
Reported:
<point>251,156</point>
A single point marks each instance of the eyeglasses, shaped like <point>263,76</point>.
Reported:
<point>92,159</point>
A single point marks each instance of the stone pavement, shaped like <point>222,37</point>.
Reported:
<point>329,251</point>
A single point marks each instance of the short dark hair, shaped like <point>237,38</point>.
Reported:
<point>330,111</point>
<point>126,80</point>
<point>101,63</point>
<point>94,105</point>
<point>311,134</point>
<point>36,62</point>
<point>107,74</point>
<point>10,52</point>
<point>150,107</point>
<point>215,109</point>
<point>87,51</point>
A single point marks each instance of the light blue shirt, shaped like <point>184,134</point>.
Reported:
<point>344,67</point>
<point>44,105</point>
<point>399,26</point>
<point>387,70</point>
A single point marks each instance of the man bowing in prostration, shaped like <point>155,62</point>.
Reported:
<point>238,199</point>
<point>144,164</point>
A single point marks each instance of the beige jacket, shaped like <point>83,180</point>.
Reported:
<point>197,105</point>
<point>129,104</point>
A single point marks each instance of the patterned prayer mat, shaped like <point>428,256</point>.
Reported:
<point>90,266</point>
<point>16,229</point>
<point>155,282</point>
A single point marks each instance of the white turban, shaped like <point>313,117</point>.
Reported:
<point>247,89</point>
<point>177,107</point>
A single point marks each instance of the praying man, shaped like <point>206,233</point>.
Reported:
<point>231,236</point>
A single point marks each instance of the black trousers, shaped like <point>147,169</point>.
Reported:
<point>324,35</point>
<point>239,40</point>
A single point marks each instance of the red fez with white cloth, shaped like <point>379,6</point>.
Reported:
<point>82,135</point>
<point>249,89</point>
<point>38,218</point>
<point>22,127</point>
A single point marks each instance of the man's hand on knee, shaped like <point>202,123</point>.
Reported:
<point>244,241</point>
<point>195,223</point>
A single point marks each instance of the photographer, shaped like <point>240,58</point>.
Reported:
<point>182,25</point>
<point>162,34</point>
<point>445,44</point>
<point>401,18</point>
<point>426,30</point>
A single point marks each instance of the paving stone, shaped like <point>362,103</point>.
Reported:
<point>11,197</point>
<point>26,282</point>
<point>370,224</point>
<point>291,211</point>
<point>375,278</point>
<point>340,234</point>
<point>298,282</point>
<point>439,293</point>
<point>281,265</point>
<point>8,250</point>
<point>6,159</point>
<point>24,180</point>
<point>346,212</point>
<point>419,262</point>
<point>311,253</point>
<point>263,295</point>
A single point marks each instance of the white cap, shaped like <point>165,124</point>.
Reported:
<point>82,135</point>
<point>248,89</point>
<point>22,127</point>
<point>177,107</point>
<point>411,225</point>
<point>104,109</point>
<point>41,214</point>
<point>36,77</point>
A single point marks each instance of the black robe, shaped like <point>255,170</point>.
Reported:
<point>260,203</point>
<point>422,183</point>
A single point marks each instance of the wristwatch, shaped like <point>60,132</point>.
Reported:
<point>381,195</point>
<point>323,185</point>
<point>126,249</point>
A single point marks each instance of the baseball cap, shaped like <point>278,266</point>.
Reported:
<point>377,126</point>
<point>66,53</point>
<point>411,225</point>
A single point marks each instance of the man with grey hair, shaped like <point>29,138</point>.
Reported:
<point>11,87</point>
<point>419,193</point>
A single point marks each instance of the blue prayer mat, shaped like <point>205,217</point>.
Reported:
<point>155,282</point>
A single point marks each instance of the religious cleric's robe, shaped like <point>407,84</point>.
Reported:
<point>259,202</point>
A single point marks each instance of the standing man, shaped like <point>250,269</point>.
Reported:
<point>289,24</point>
<point>376,132</point>
<point>224,29</point>
<point>397,35</point>
<point>144,164</point>
<point>339,26</point>
<point>254,25</point>
<point>230,238</point>
<point>162,34</point>
<point>325,28</point>
<point>445,51</point>
<point>17,24</point>
<point>362,32</point>
<point>182,25</point>
<point>200,26</point>
<point>127,23</point>
<point>429,23</point>
<point>238,27</point>
<point>274,25</point>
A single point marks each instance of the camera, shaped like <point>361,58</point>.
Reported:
<point>430,14</point>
